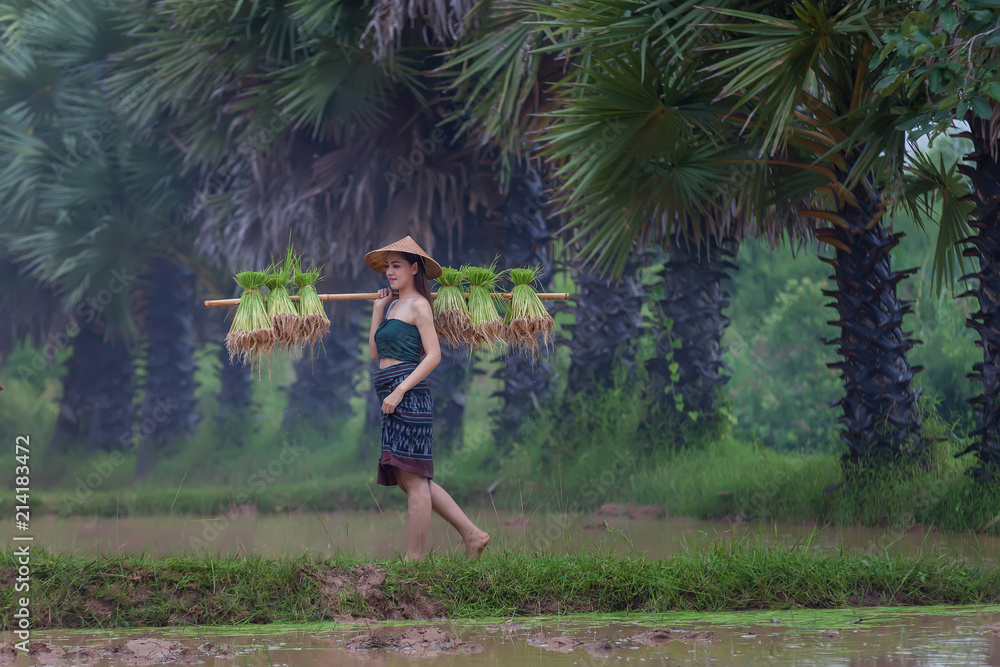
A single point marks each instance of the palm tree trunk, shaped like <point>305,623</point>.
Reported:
<point>608,320</point>
<point>371,442</point>
<point>169,405</point>
<point>449,383</point>
<point>526,241</point>
<point>324,383</point>
<point>985,246</point>
<point>880,405</point>
<point>693,301</point>
<point>96,407</point>
<point>235,399</point>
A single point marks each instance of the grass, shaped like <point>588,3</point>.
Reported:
<point>139,591</point>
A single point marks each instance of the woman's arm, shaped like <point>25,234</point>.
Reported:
<point>432,351</point>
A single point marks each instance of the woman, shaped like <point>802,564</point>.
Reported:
<point>407,348</point>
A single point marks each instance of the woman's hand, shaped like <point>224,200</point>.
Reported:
<point>391,401</point>
<point>384,297</point>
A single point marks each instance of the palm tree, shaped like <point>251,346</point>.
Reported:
<point>87,207</point>
<point>169,406</point>
<point>324,383</point>
<point>824,110</point>
<point>802,81</point>
<point>945,58</point>
<point>984,245</point>
<point>302,132</point>
<point>690,296</point>
<point>36,315</point>
<point>535,60</point>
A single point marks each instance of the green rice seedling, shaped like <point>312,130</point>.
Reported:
<point>451,312</point>
<point>280,308</point>
<point>527,320</point>
<point>486,321</point>
<point>314,321</point>
<point>251,334</point>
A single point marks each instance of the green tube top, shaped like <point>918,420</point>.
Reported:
<point>397,339</point>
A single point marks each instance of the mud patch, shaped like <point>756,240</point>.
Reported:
<point>598,648</point>
<point>141,651</point>
<point>697,637</point>
<point>655,638</point>
<point>414,641</point>
<point>99,608</point>
<point>362,589</point>
<point>605,648</point>
<point>507,627</point>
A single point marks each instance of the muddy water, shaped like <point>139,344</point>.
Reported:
<point>381,535</point>
<point>873,636</point>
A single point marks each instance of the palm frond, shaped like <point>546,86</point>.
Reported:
<point>500,80</point>
<point>440,23</point>
<point>936,191</point>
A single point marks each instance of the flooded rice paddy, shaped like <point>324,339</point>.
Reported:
<point>383,535</point>
<point>873,636</point>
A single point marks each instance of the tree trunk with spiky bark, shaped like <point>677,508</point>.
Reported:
<point>169,405</point>
<point>693,302</point>
<point>985,247</point>
<point>235,399</point>
<point>608,318</point>
<point>370,446</point>
<point>96,406</point>
<point>882,423</point>
<point>526,242</point>
<point>449,383</point>
<point>324,382</point>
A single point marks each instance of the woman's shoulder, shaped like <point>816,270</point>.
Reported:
<point>409,312</point>
<point>422,307</point>
<point>415,310</point>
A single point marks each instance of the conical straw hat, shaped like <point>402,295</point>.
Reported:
<point>376,258</point>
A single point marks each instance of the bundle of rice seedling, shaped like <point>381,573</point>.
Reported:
<point>486,321</point>
<point>251,334</point>
<point>280,308</point>
<point>314,322</point>
<point>451,312</point>
<point>526,318</point>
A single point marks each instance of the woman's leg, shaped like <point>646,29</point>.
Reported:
<point>418,503</point>
<point>475,540</point>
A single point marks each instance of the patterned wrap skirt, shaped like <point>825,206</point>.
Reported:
<point>407,432</point>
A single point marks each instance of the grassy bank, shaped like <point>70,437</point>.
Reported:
<point>127,591</point>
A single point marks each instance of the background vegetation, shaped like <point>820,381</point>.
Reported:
<point>631,404</point>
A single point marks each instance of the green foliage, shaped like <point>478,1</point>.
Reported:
<point>781,386</point>
<point>947,354</point>
<point>945,51</point>
<point>31,393</point>
<point>84,201</point>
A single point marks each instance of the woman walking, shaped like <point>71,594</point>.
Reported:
<point>406,345</point>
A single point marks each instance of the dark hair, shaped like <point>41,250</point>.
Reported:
<point>420,280</point>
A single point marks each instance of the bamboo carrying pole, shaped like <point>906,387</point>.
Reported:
<point>371,296</point>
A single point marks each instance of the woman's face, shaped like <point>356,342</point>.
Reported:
<point>399,272</point>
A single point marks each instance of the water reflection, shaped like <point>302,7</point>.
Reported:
<point>889,636</point>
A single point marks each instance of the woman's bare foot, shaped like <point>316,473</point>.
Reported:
<point>474,545</point>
